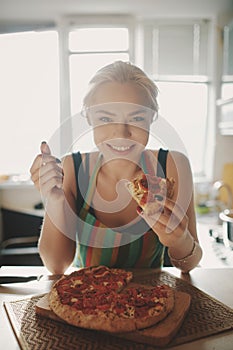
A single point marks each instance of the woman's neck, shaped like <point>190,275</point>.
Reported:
<point>118,169</point>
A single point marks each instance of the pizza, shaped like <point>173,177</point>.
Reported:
<point>150,192</point>
<point>103,298</point>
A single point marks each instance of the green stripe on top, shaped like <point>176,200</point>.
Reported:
<point>106,256</point>
<point>85,229</point>
<point>92,184</point>
<point>135,251</point>
<point>158,257</point>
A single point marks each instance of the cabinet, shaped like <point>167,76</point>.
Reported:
<point>20,224</point>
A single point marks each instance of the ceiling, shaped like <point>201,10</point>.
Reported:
<point>32,10</point>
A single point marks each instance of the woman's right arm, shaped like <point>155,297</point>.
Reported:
<point>57,240</point>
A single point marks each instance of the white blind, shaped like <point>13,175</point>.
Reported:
<point>177,48</point>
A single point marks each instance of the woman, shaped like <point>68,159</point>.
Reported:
<point>90,217</point>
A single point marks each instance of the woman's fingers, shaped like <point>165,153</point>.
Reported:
<point>44,147</point>
<point>46,171</point>
<point>48,186</point>
<point>170,218</point>
<point>173,207</point>
<point>49,172</point>
<point>36,164</point>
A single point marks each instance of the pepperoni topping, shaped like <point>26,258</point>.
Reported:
<point>151,183</point>
<point>143,184</point>
<point>101,291</point>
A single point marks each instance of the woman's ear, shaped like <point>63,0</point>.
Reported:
<point>84,114</point>
<point>88,119</point>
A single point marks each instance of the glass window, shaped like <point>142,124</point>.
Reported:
<point>176,57</point>
<point>184,106</point>
<point>179,49</point>
<point>109,39</point>
<point>29,90</point>
<point>180,60</point>
<point>91,49</point>
<point>82,68</point>
<point>227,90</point>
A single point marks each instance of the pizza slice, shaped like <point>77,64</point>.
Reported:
<point>150,192</point>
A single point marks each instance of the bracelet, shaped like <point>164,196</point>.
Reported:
<point>185,264</point>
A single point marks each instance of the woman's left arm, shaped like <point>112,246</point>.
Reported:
<point>176,224</point>
<point>185,253</point>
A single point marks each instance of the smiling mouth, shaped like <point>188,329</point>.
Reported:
<point>120,148</point>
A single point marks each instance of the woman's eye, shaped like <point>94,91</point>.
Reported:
<point>138,119</point>
<point>105,119</point>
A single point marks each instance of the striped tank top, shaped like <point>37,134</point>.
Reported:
<point>134,245</point>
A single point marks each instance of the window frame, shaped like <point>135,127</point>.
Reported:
<point>139,49</point>
<point>67,24</point>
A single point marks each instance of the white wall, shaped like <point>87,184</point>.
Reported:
<point>53,9</point>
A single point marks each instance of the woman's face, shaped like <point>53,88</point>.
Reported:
<point>120,119</point>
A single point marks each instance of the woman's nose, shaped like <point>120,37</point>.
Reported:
<point>122,130</point>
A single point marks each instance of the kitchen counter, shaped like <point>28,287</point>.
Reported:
<point>216,282</point>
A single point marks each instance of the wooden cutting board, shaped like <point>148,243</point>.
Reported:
<point>160,334</point>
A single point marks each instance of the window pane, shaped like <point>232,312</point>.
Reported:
<point>82,68</point>
<point>175,50</point>
<point>227,91</point>
<point>179,49</point>
<point>99,39</point>
<point>184,106</point>
<point>29,90</point>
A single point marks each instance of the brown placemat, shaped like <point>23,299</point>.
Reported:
<point>206,317</point>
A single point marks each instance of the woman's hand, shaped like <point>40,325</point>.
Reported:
<point>46,172</point>
<point>170,224</point>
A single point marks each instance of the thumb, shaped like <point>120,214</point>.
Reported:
<point>44,147</point>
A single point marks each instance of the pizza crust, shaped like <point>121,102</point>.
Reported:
<point>108,322</point>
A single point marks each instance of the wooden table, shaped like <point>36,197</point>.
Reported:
<point>217,282</point>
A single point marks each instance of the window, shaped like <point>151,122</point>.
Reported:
<point>29,90</point>
<point>90,49</point>
<point>44,76</point>
<point>178,104</point>
<point>176,57</point>
<point>88,45</point>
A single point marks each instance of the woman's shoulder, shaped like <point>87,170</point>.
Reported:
<point>74,159</point>
<point>70,156</point>
<point>178,158</point>
<point>178,167</point>
<point>175,161</point>
<point>171,153</point>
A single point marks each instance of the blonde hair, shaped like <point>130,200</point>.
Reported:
<point>122,72</point>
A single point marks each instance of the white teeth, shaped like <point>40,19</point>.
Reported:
<point>120,148</point>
